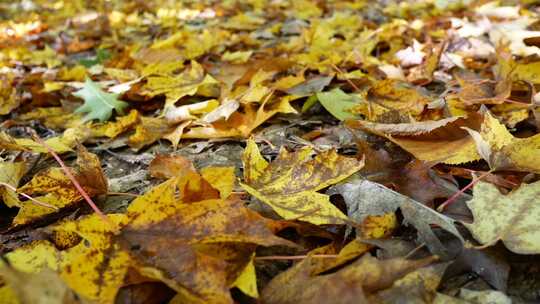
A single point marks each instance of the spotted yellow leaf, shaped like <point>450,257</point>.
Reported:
<point>290,184</point>
<point>511,218</point>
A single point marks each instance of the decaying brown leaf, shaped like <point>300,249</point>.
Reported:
<point>360,281</point>
<point>434,141</point>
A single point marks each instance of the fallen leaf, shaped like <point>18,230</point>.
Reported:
<point>484,296</point>
<point>34,257</point>
<point>412,55</point>
<point>357,282</point>
<point>490,264</point>
<point>59,144</point>
<point>44,287</point>
<point>222,179</point>
<point>476,91</point>
<point>175,87</point>
<point>365,198</point>
<point>224,111</point>
<point>147,131</point>
<point>188,112</point>
<point>11,173</point>
<point>113,129</point>
<point>421,183</point>
<point>311,86</point>
<point>98,104</point>
<point>502,150</point>
<point>8,98</point>
<point>194,235</point>
<point>242,123</point>
<point>415,287</point>
<point>167,166</point>
<point>247,280</point>
<point>54,117</point>
<point>290,183</point>
<point>510,218</point>
<point>373,227</point>
<point>237,57</point>
<point>53,187</point>
<point>338,103</point>
<point>96,267</point>
<point>399,95</point>
<point>433,141</point>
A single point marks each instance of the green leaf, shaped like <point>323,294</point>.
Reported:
<point>97,103</point>
<point>101,56</point>
<point>310,102</point>
<point>338,103</point>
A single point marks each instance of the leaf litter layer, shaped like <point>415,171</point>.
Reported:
<point>269,151</point>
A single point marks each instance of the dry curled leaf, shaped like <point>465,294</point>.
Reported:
<point>434,141</point>
<point>357,282</point>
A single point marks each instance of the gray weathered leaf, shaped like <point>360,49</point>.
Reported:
<point>364,198</point>
<point>311,86</point>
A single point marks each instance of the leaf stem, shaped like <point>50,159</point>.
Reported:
<point>451,199</point>
<point>36,201</point>
<point>75,182</point>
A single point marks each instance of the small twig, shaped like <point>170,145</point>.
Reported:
<point>297,257</point>
<point>307,213</point>
<point>415,250</point>
<point>451,199</point>
<point>75,182</point>
<point>239,192</point>
<point>36,201</point>
<point>355,87</point>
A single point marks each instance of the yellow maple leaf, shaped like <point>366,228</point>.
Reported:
<point>195,232</point>
<point>113,129</point>
<point>95,268</point>
<point>502,150</point>
<point>175,87</point>
<point>242,123</point>
<point>60,144</point>
<point>290,184</point>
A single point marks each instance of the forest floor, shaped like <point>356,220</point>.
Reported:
<point>263,151</point>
